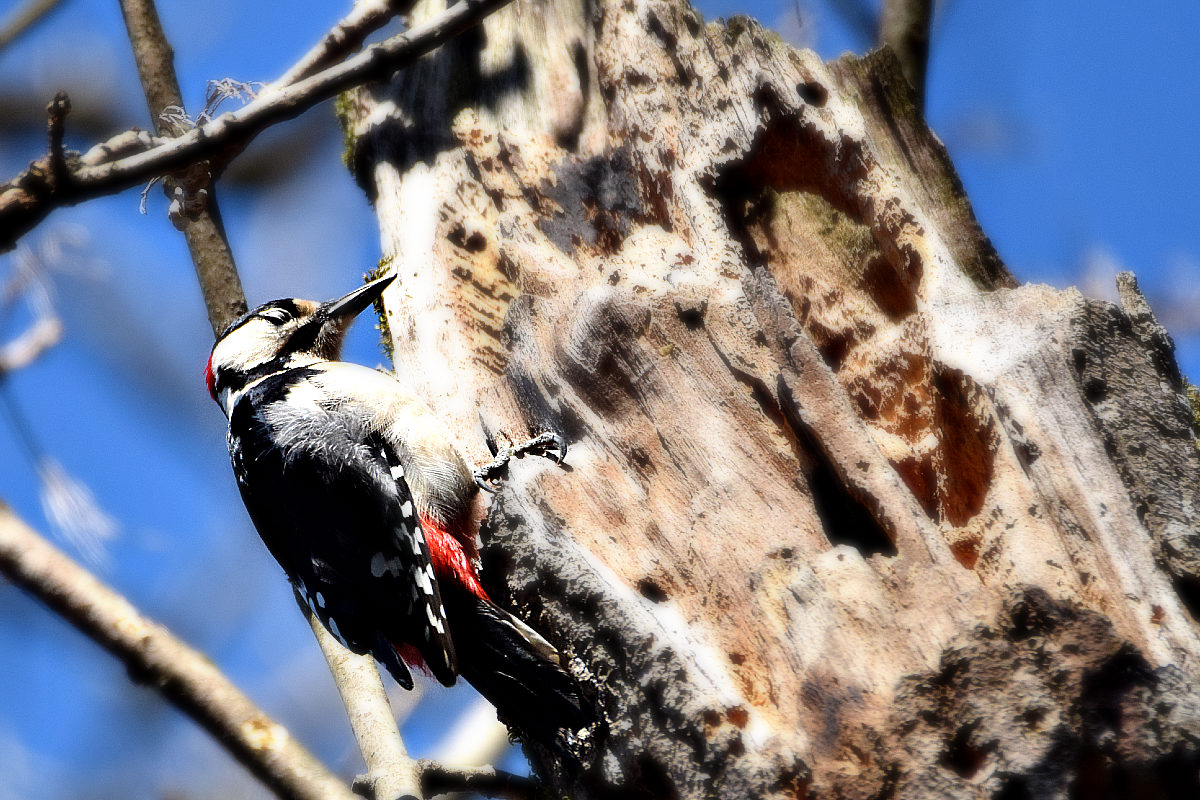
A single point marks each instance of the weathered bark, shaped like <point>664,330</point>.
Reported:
<point>848,513</point>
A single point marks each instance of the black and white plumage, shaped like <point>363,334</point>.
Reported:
<point>365,503</point>
<point>368,575</point>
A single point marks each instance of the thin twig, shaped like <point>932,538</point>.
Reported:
<point>26,348</point>
<point>904,26</point>
<point>487,781</point>
<point>391,773</point>
<point>357,678</point>
<point>191,192</point>
<point>154,657</point>
<point>344,38</point>
<point>56,127</point>
<point>23,19</point>
<point>123,144</point>
<point>21,209</point>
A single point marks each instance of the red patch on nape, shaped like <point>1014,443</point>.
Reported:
<point>210,379</point>
<point>450,563</point>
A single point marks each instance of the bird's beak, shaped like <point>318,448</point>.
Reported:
<point>332,319</point>
<point>345,309</point>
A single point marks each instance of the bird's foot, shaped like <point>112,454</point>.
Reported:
<point>549,445</point>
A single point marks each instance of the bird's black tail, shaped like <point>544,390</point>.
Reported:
<point>518,672</point>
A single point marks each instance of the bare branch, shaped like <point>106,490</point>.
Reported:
<point>344,38</point>
<point>46,330</point>
<point>156,658</point>
<point>23,19</point>
<point>56,126</point>
<point>25,201</point>
<point>904,26</point>
<point>26,348</point>
<point>123,144</point>
<point>487,781</point>
<point>32,195</point>
<point>193,197</point>
<point>391,774</point>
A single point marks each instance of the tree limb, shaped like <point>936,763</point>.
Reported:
<point>25,349</point>
<point>904,26</point>
<point>154,657</point>
<point>29,197</point>
<point>344,38</point>
<point>23,19</point>
<point>391,773</point>
<point>191,189</point>
<point>56,125</point>
<point>487,781</point>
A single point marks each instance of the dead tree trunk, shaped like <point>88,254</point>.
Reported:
<point>848,512</point>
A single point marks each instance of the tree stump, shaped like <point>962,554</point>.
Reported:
<point>847,513</point>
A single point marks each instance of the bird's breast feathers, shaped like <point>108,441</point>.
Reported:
<point>297,407</point>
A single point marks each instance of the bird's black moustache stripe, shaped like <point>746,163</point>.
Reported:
<point>273,386</point>
<point>303,339</point>
<point>236,380</point>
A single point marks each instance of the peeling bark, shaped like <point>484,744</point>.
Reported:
<point>848,512</point>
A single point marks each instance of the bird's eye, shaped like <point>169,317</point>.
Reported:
<point>276,316</point>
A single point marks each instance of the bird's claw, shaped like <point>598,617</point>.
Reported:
<point>551,445</point>
<point>489,485</point>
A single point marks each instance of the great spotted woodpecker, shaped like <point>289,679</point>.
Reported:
<point>359,494</point>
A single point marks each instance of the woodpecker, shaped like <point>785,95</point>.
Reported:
<point>358,493</point>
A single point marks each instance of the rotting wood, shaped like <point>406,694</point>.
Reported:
<point>848,512</point>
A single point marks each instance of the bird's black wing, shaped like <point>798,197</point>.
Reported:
<point>330,507</point>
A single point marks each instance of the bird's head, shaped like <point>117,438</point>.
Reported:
<point>283,334</point>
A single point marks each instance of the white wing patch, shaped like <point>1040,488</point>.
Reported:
<point>316,603</point>
<point>423,580</point>
<point>423,585</point>
<point>410,560</point>
<point>308,598</point>
<point>434,620</point>
<point>333,628</point>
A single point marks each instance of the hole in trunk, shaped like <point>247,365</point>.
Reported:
<point>845,519</point>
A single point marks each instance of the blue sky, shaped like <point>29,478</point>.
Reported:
<point>1072,126</point>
